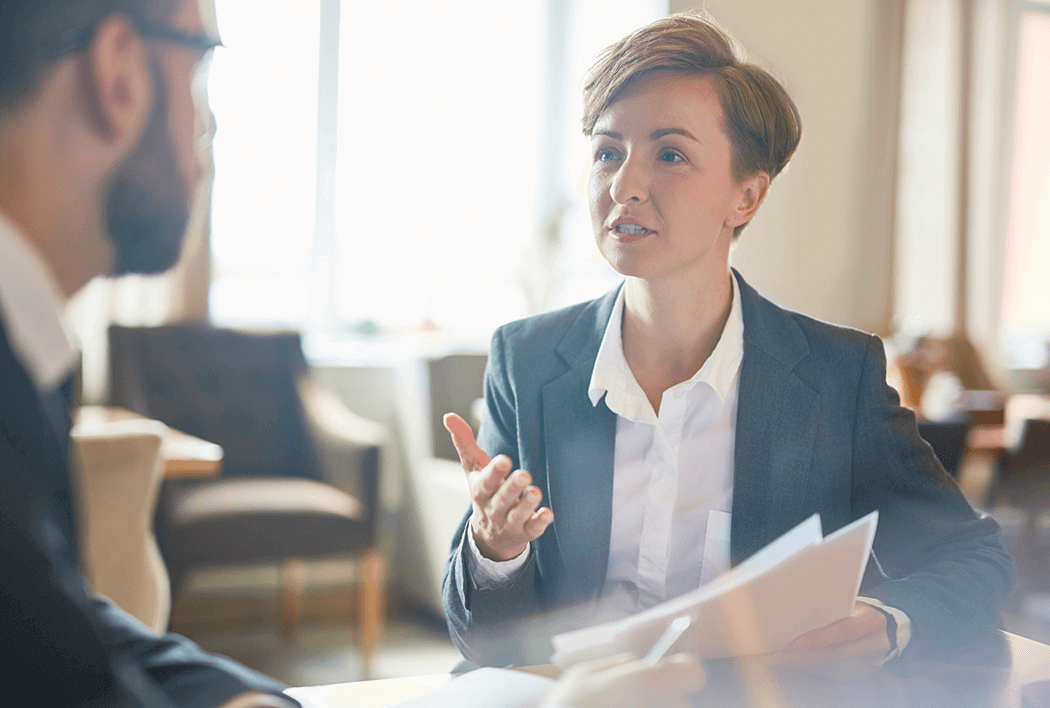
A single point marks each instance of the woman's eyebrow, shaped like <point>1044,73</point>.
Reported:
<point>607,134</point>
<point>657,134</point>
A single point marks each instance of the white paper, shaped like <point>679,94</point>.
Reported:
<point>487,688</point>
<point>797,583</point>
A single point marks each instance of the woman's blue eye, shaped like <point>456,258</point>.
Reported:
<point>669,156</point>
<point>605,155</point>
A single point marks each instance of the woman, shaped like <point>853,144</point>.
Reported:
<point>681,422</point>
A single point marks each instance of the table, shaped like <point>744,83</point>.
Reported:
<point>184,455</point>
<point>986,673</point>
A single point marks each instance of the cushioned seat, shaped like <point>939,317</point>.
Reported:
<point>262,520</point>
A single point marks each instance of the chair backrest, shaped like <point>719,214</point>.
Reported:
<point>118,467</point>
<point>237,389</point>
<point>455,382</point>
<point>1033,458</point>
<point>948,441</point>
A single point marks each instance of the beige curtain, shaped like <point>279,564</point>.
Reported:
<point>950,235</point>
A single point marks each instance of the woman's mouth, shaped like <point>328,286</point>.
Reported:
<point>630,233</point>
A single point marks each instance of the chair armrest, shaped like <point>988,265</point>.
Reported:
<point>349,445</point>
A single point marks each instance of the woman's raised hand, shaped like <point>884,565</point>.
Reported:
<point>506,506</point>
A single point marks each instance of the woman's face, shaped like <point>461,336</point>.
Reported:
<point>663,198</point>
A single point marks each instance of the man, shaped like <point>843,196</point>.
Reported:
<point>98,159</point>
<point>97,162</point>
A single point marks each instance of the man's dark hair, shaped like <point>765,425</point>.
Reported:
<point>35,33</point>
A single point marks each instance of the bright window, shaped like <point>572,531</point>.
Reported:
<point>438,114</point>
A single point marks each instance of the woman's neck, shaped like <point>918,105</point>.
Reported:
<point>670,329</point>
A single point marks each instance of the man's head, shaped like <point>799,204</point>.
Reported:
<point>761,121</point>
<point>115,78</point>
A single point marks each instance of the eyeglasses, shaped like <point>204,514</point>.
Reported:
<point>162,33</point>
<point>75,40</point>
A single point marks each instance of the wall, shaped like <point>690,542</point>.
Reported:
<point>822,242</point>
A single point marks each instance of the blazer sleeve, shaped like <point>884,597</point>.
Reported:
<point>486,624</point>
<point>185,673</point>
<point>65,647</point>
<point>942,561</point>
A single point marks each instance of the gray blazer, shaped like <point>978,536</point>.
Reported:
<point>818,431</point>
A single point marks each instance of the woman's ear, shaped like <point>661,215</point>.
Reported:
<point>118,82</point>
<point>752,191</point>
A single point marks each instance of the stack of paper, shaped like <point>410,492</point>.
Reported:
<point>797,583</point>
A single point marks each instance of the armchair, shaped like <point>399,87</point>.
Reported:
<point>301,472</point>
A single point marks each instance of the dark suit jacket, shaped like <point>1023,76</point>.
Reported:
<point>818,430</point>
<point>59,645</point>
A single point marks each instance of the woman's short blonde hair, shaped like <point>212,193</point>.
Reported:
<point>761,121</point>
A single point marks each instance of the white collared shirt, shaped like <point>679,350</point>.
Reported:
<point>31,309</point>
<point>672,472</point>
<point>680,463</point>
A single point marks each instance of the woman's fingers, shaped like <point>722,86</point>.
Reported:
<point>865,621</point>
<point>508,495</point>
<point>538,523</point>
<point>522,511</point>
<point>487,482</point>
<point>850,648</point>
<point>511,517</point>
<point>471,456</point>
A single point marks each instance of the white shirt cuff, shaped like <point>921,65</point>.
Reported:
<point>487,574</point>
<point>903,625</point>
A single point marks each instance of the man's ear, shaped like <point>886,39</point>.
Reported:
<point>119,82</point>
<point>753,191</point>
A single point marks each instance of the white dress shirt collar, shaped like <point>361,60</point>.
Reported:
<point>31,306</point>
<point>611,374</point>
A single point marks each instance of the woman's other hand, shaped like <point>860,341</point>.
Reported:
<point>852,648</point>
<point>507,513</point>
<point>618,682</point>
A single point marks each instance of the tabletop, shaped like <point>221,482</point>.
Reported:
<point>184,455</point>
<point>989,672</point>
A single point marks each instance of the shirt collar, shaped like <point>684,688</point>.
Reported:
<point>611,372</point>
<point>31,307</point>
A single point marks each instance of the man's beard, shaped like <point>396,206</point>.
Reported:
<point>148,204</point>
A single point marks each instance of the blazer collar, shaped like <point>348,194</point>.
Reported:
<point>579,448</point>
<point>766,326</point>
<point>770,328</point>
<point>579,347</point>
<point>775,426</point>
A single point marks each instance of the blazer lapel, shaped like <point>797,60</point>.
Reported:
<point>580,449</point>
<point>774,427</point>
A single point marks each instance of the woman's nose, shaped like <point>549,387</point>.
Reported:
<point>630,183</point>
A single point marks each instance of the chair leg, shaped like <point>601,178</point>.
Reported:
<point>371,607</point>
<point>294,590</point>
